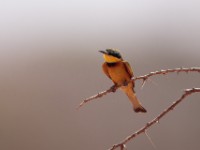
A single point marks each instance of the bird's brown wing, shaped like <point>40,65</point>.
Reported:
<point>128,68</point>
<point>105,69</point>
<point>130,72</point>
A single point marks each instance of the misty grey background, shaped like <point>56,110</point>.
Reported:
<point>49,63</point>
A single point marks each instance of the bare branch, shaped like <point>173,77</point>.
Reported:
<point>100,94</point>
<point>144,78</point>
<point>164,72</point>
<point>186,93</point>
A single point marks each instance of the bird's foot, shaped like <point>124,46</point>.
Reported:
<point>125,83</point>
<point>113,88</point>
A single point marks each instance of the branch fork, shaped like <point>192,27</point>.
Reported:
<point>187,92</point>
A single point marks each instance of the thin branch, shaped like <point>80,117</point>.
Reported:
<point>100,94</point>
<point>164,72</point>
<point>144,78</point>
<point>186,93</point>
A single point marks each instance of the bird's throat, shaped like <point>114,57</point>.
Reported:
<point>111,59</point>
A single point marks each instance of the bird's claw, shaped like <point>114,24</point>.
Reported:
<point>113,88</point>
<point>125,83</point>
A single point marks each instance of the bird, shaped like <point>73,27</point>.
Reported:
<point>121,73</point>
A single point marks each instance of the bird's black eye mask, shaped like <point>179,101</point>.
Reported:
<point>113,53</point>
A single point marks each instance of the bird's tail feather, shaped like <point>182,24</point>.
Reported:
<point>137,107</point>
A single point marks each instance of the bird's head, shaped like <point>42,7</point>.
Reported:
<point>111,55</point>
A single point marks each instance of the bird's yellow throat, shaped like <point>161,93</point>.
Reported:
<point>111,59</point>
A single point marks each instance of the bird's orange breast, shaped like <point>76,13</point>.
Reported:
<point>118,73</point>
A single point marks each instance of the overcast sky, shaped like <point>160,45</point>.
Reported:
<point>102,23</point>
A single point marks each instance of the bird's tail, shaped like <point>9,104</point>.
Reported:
<point>137,107</point>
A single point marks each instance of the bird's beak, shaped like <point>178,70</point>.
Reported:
<point>102,51</point>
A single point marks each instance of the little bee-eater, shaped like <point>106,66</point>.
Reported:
<point>120,72</point>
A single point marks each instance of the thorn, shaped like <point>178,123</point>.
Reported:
<point>80,105</point>
<point>100,94</point>
<point>148,124</point>
<point>123,147</point>
<point>164,72</point>
<point>143,83</point>
<point>150,140</point>
<point>188,91</point>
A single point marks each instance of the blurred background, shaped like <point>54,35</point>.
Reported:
<point>49,63</point>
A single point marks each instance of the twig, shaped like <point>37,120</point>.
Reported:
<point>100,94</point>
<point>186,93</point>
<point>144,78</point>
<point>164,72</point>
